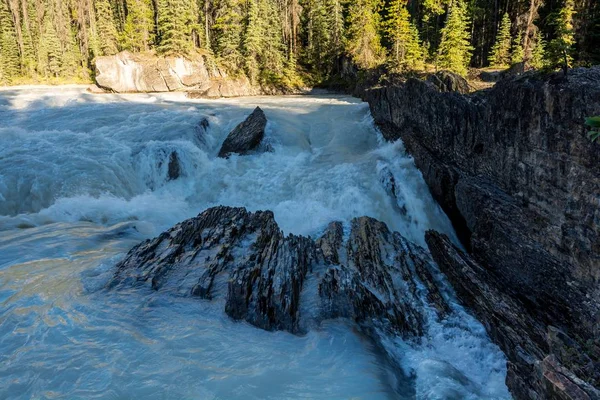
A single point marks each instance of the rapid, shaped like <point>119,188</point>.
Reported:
<point>84,177</point>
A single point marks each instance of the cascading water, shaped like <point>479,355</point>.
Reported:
<point>85,177</point>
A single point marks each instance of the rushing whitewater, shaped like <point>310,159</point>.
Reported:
<point>85,177</point>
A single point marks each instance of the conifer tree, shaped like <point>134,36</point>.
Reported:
<point>105,24</point>
<point>404,36</point>
<point>228,30</point>
<point>50,61</point>
<point>455,48</point>
<point>138,30</point>
<point>175,22</point>
<point>538,53</point>
<point>560,49</point>
<point>364,42</point>
<point>9,49</point>
<point>517,52</point>
<point>252,41</point>
<point>500,55</point>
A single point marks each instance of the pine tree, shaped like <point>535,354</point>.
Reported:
<point>105,24</point>
<point>517,52</point>
<point>455,48</point>
<point>560,49</point>
<point>138,30</point>
<point>404,36</point>
<point>252,41</point>
<point>9,48</point>
<point>228,30</point>
<point>175,21</point>
<point>364,43</point>
<point>538,53</point>
<point>500,55</point>
<point>50,60</point>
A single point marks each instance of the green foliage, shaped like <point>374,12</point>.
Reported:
<point>500,55</point>
<point>138,30</point>
<point>364,42</point>
<point>455,49</point>
<point>107,32</point>
<point>175,23</point>
<point>9,50</point>
<point>538,53</point>
<point>228,32</point>
<point>594,124</point>
<point>517,52</point>
<point>560,49</point>
<point>406,52</point>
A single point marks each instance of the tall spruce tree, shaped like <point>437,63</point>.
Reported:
<point>455,48</point>
<point>500,55</point>
<point>228,32</point>
<point>538,53</point>
<point>560,49</point>
<point>363,40</point>
<point>138,30</point>
<point>175,22</point>
<point>517,52</point>
<point>9,48</point>
<point>252,41</point>
<point>403,35</point>
<point>107,31</point>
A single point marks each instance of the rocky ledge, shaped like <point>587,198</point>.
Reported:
<point>277,282</point>
<point>127,72</point>
<point>513,168</point>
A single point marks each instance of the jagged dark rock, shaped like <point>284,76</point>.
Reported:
<point>514,170</point>
<point>376,277</point>
<point>447,81</point>
<point>246,136</point>
<point>524,338</point>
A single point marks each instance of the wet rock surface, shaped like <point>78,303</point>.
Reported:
<point>245,137</point>
<point>514,170</point>
<point>374,276</point>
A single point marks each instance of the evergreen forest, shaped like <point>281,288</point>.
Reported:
<point>271,40</point>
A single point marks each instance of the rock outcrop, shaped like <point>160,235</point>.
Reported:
<point>515,172</point>
<point>375,277</point>
<point>127,72</point>
<point>245,137</point>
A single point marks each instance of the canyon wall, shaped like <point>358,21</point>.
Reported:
<point>514,169</point>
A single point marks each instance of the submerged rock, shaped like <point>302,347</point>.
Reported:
<point>246,136</point>
<point>376,277</point>
<point>174,169</point>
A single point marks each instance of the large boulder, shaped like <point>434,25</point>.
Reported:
<point>447,81</point>
<point>140,72</point>
<point>247,136</point>
<point>513,168</point>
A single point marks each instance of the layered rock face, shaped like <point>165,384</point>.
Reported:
<point>127,72</point>
<point>278,282</point>
<point>514,170</point>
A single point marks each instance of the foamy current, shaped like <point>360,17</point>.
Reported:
<point>84,177</point>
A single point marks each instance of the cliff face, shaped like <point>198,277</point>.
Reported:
<point>513,168</point>
<point>131,73</point>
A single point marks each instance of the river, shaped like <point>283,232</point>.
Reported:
<point>83,178</point>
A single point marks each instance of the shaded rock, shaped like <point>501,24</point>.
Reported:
<point>514,325</point>
<point>174,169</point>
<point>447,81</point>
<point>246,136</point>
<point>514,170</point>
<point>375,277</point>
